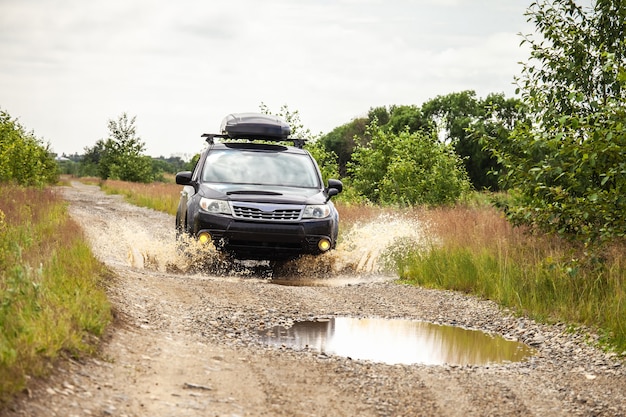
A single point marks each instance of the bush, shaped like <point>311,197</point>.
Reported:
<point>408,168</point>
<point>24,159</point>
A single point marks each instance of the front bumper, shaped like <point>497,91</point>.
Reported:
<point>265,240</point>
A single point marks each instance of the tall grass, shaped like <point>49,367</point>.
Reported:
<point>51,297</point>
<point>159,196</point>
<point>481,253</point>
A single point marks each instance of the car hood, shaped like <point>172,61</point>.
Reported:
<point>263,194</point>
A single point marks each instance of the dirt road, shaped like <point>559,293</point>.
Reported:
<point>185,343</point>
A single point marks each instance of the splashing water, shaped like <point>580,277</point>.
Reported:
<point>364,249</point>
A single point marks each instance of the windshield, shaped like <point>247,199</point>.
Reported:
<point>261,168</point>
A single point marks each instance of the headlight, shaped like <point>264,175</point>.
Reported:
<point>320,211</point>
<point>215,206</point>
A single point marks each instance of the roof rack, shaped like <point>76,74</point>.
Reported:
<point>210,139</point>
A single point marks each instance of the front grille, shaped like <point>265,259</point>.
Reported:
<point>267,214</point>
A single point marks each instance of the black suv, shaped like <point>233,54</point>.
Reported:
<point>254,198</point>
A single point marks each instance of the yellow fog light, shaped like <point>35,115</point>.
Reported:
<point>324,245</point>
<point>204,237</point>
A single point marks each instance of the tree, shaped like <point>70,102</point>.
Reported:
<point>342,140</point>
<point>24,159</point>
<point>408,168</point>
<point>567,160</point>
<point>90,164</point>
<point>406,117</point>
<point>325,158</point>
<point>496,119</point>
<point>463,120</point>
<point>380,114</point>
<point>120,156</point>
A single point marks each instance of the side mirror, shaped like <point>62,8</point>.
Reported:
<point>183,178</point>
<point>336,185</point>
<point>334,188</point>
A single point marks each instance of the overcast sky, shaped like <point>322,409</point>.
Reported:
<point>68,66</point>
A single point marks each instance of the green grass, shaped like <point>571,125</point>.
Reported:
<point>52,300</point>
<point>542,277</point>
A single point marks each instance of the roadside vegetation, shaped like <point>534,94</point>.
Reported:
<point>161,196</point>
<point>545,277</point>
<point>24,159</point>
<point>51,291</point>
<point>52,300</point>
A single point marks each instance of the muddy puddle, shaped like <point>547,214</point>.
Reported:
<point>397,342</point>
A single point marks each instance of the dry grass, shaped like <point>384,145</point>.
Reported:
<point>159,196</point>
<point>470,225</point>
<point>350,213</point>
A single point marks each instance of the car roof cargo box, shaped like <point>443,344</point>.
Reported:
<point>254,125</point>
